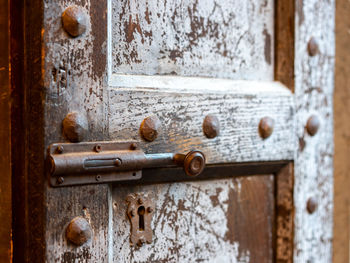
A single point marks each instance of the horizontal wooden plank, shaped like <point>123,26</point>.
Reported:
<point>239,106</point>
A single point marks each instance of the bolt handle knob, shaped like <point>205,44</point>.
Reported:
<point>192,162</point>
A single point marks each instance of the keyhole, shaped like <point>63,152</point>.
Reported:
<point>141,212</point>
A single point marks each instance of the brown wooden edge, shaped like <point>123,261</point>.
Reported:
<point>27,136</point>
<point>284,216</point>
<point>5,158</point>
<point>284,72</point>
<point>284,42</point>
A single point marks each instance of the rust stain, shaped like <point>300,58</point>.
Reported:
<point>300,11</point>
<point>131,28</point>
<point>174,54</point>
<point>232,196</point>
<point>302,144</point>
<point>267,46</point>
<point>98,14</point>
<point>147,14</point>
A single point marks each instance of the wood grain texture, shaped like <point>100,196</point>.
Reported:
<point>239,107</point>
<point>193,38</point>
<point>284,214</point>
<point>5,135</point>
<point>27,130</point>
<point>64,204</point>
<point>314,158</point>
<point>227,220</point>
<point>341,135</point>
<point>74,71</point>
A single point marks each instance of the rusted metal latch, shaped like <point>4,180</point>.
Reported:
<point>101,162</point>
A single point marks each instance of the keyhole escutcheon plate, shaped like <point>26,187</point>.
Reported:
<point>140,211</point>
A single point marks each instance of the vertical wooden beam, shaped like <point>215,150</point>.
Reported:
<point>313,166</point>
<point>5,142</point>
<point>27,135</point>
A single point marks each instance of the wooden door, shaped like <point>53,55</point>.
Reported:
<point>248,83</point>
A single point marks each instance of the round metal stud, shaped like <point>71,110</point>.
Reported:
<point>74,21</point>
<point>266,126</point>
<point>312,125</point>
<point>312,47</point>
<point>79,231</point>
<point>211,126</point>
<point>150,128</point>
<point>311,205</point>
<point>75,127</point>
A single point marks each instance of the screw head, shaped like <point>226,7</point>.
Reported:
<point>60,180</point>
<point>74,21</point>
<point>98,177</point>
<point>312,47</point>
<point>149,209</point>
<point>98,148</point>
<point>149,128</point>
<point>118,162</point>
<point>211,126</point>
<point>140,201</point>
<point>78,231</point>
<point>75,126</point>
<point>312,125</point>
<point>266,126</point>
<point>133,146</point>
<point>59,149</point>
<point>311,205</point>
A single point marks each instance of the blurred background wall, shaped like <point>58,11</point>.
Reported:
<point>342,134</point>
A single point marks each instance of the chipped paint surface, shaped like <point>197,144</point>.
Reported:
<point>222,38</point>
<point>314,82</point>
<point>199,221</point>
<point>239,109</point>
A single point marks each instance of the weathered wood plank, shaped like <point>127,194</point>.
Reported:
<point>314,159</point>
<point>238,105</point>
<point>5,137</point>
<point>74,71</point>
<point>64,204</point>
<point>227,220</point>
<point>192,38</point>
<point>284,214</point>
